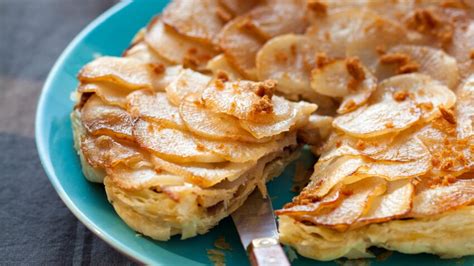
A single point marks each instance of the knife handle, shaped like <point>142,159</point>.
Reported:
<point>267,251</point>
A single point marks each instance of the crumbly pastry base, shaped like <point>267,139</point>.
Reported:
<point>194,210</point>
<point>449,235</point>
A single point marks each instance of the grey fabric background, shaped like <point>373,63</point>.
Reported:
<point>36,228</point>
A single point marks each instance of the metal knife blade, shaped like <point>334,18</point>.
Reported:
<point>255,219</point>
<point>258,232</point>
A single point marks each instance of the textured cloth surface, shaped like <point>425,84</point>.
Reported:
<point>36,227</point>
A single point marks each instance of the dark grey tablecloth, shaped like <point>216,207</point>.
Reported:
<point>35,226</point>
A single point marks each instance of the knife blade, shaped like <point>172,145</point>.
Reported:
<point>258,232</point>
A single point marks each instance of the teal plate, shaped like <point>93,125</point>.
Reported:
<point>110,34</point>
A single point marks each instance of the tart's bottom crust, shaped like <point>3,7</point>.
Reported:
<point>449,235</point>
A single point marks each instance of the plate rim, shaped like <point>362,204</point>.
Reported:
<point>42,150</point>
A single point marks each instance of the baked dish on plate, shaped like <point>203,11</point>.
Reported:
<point>213,98</point>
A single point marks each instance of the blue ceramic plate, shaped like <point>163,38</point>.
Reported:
<point>110,34</point>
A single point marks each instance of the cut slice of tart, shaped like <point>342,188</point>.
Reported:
<point>178,160</point>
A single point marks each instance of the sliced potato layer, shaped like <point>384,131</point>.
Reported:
<point>102,119</point>
<point>465,109</point>
<point>273,19</point>
<point>237,7</point>
<point>405,148</point>
<point>142,177</point>
<point>155,107</point>
<point>378,119</point>
<point>204,174</point>
<point>394,203</point>
<point>328,174</point>
<point>206,103</point>
<point>339,145</point>
<point>208,124</point>
<point>195,19</point>
<point>311,205</point>
<point>104,152</point>
<point>110,93</point>
<point>187,82</point>
<point>220,64</point>
<point>423,59</point>
<point>396,170</point>
<point>354,206</point>
<point>240,46</point>
<point>242,99</point>
<point>172,144</point>
<point>348,79</point>
<point>354,32</point>
<point>300,112</point>
<point>398,103</point>
<point>443,198</point>
<point>142,51</point>
<point>127,72</point>
<point>288,59</point>
<point>176,48</point>
<point>243,152</point>
<point>419,88</point>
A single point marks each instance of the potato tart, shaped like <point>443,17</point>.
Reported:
<point>215,97</point>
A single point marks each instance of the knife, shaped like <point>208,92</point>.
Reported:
<point>258,233</point>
